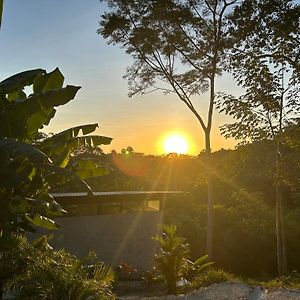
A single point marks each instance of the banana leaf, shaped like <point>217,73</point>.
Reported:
<point>18,81</point>
<point>42,221</point>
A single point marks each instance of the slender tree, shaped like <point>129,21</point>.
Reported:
<point>265,61</point>
<point>178,47</point>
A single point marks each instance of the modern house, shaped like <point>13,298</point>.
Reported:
<point>118,226</point>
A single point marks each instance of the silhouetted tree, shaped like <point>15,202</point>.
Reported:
<point>178,47</point>
<point>265,61</point>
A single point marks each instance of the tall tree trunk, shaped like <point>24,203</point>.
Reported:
<point>210,202</point>
<point>280,236</point>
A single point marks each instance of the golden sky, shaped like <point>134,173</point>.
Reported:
<point>48,34</point>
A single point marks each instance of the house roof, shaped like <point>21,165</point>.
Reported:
<point>117,196</point>
<point>116,193</point>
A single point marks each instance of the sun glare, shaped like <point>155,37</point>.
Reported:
<point>176,144</point>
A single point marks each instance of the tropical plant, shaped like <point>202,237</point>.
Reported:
<point>198,266</point>
<point>29,171</point>
<point>171,260</point>
<point>35,271</point>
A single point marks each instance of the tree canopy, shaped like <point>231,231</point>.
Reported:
<point>265,62</point>
<point>178,47</point>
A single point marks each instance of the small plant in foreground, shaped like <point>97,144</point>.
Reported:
<point>171,260</point>
<point>198,266</point>
<point>35,271</point>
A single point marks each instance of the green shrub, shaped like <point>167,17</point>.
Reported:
<point>171,261</point>
<point>35,271</point>
<point>211,276</point>
<point>198,267</point>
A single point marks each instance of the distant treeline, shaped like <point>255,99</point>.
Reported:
<point>244,221</point>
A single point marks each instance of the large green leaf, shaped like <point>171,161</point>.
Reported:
<point>71,133</point>
<point>42,221</point>
<point>46,82</point>
<point>39,119</point>
<point>22,120</point>
<point>26,171</point>
<point>60,146</point>
<point>200,260</point>
<point>48,205</point>
<point>40,107</point>
<point>69,139</point>
<point>14,175</point>
<point>63,175</point>
<point>90,173</point>
<point>21,205</point>
<point>51,98</point>
<point>96,140</point>
<point>86,129</point>
<point>63,158</point>
<point>18,81</point>
<point>16,96</point>
<point>87,168</point>
<point>15,148</point>
<point>19,162</point>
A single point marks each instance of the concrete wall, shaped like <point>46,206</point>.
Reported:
<point>115,238</point>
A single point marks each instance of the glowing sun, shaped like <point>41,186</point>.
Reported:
<point>176,144</point>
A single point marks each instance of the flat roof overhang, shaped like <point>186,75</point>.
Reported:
<point>115,196</point>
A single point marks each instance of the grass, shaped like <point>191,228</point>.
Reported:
<point>291,281</point>
<point>212,276</point>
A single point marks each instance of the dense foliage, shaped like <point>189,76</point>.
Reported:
<point>245,232</point>
<point>181,47</point>
<point>172,262</point>
<point>36,271</point>
<point>30,167</point>
<point>178,47</point>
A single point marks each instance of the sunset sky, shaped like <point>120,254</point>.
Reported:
<point>48,34</point>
